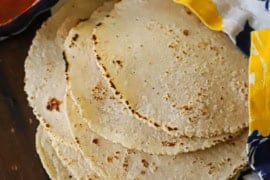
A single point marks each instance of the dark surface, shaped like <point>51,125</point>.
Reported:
<point>18,158</point>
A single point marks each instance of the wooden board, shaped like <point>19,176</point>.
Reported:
<point>18,158</point>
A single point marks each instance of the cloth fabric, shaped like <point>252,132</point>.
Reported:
<point>247,23</point>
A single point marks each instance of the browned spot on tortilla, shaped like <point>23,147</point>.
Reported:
<point>53,104</point>
<point>188,12</point>
<point>95,141</point>
<point>171,128</point>
<point>130,151</point>
<point>145,163</point>
<point>186,32</point>
<point>99,93</point>
<point>186,108</point>
<point>75,37</point>
<point>77,140</point>
<point>47,125</point>
<point>98,57</point>
<point>156,124</point>
<point>119,63</point>
<point>139,115</point>
<point>110,159</point>
<point>112,84</point>
<point>99,24</point>
<point>168,144</point>
<point>143,172</point>
<point>94,37</point>
<point>116,157</point>
<point>107,15</point>
<point>81,20</point>
<point>66,62</point>
<point>125,164</point>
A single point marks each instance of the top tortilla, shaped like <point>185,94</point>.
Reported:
<point>104,112</point>
<point>171,71</point>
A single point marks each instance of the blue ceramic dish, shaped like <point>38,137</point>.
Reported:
<point>24,17</point>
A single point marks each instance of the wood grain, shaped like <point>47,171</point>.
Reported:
<point>18,158</point>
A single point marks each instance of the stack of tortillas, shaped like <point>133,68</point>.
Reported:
<point>136,89</point>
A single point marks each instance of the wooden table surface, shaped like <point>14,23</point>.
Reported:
<point>18,157</point>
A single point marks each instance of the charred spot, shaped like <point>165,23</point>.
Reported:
<point>130,151</point>
<point>95,141</point>
<point>75,37</point>
<point>99,24</point>
<point>70,176</point>
<point>81,20</point>
<point>98,57</point>
<point>156,124</point>
<point>188,12</point>
<point>140,116</point>
<point>53,104</point>
<point>125,164</point>
<point>143,172</point>
<point>112,85</point>
<point>71,44</point>
<point>107,15</point>
<point>110,159</point>
<point>145,163</point>
<point>186,108</point>
<point>66,62</point>
<point>107,75</point>
<point>77,140</point>
<point>117,92</point>
<point>186,32</point>
<point>127,102</point>
<point>171,128</point>
<point>99,93</point>
<point>168,144</point>
<point>94,37</point>
<point>119,63</point>
<point>48,125</point>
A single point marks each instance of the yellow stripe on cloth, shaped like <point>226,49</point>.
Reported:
<point>259,82</point>
<point>206,10</point>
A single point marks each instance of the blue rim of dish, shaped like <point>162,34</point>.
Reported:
<point>21,22</point>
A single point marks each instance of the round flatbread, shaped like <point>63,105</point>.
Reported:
<point>113,161</point>
<point>171,71</point>
<point>45,82</point>
<point>61,160</point>
<point>104,112</point>
<point>49,158</point>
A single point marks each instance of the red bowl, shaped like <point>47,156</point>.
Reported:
<point>10,9</point>
<point>16,15</point>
